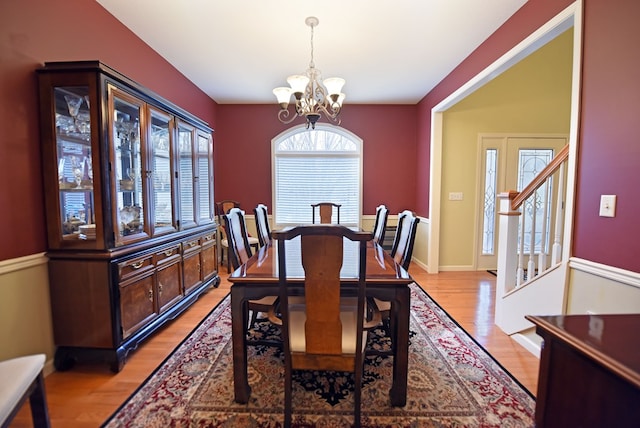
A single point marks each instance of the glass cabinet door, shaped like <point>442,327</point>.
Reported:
<point>129,171</point>
<point>75,163</point>
<point>160,156</point>
<point>204,160</point>
<point>186,175</point>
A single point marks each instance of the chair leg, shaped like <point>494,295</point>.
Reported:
<point>287,398</point>
<point>38,403</point>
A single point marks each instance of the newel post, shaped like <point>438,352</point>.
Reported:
<point>507,250</point>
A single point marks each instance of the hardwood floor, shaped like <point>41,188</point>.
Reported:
<point>87,395</point>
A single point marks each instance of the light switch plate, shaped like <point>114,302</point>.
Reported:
<point>455,196</point>
<point>607,205</point>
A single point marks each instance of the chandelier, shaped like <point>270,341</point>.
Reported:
<point>312,99</point>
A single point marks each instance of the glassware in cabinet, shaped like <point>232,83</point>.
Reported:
<point>128,168</point>
<point>74,162</point>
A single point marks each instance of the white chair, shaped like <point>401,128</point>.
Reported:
<point>21,378</point>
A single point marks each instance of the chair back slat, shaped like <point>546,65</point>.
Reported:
<point>236,228</point>
<point>402,248</point>
<point>380,226</point>
<point>262,224</point>
<point>322,261</point>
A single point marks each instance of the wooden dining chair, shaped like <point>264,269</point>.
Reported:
<point>222,208</point>
<point>325,209</point>
<point>380,226</point>
<point>262,224</point>
<point>324,330</point>
<point>401,252</point>
<point>240,253</point>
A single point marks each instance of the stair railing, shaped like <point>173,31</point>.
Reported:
<point>522,257</point>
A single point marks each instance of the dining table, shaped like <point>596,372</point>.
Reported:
<point>385,280</point>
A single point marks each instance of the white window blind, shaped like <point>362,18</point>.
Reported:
<point>312,166</point>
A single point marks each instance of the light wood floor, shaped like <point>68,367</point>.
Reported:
<point>87,395</point>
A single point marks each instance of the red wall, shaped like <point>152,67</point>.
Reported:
<point>609,152</point>
<point>242,146</point>
<point>35,31</point>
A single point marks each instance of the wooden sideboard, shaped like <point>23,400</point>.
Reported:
<point>589,371</point>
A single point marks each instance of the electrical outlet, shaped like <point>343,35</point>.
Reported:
<point>607,205</point>
<point>455,196</point>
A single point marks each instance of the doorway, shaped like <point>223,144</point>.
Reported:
<point>510,162</point>
<point>571,17</point>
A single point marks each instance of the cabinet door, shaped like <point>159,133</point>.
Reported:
<point>192,266</point>
<point>137,305</point>
<point>186,174</point>
<point>169,277</point>
<point>73,158</point>
<point>161,172</point>
<point>128,166</point>
<point>208,256</point>
<point>204,171</point>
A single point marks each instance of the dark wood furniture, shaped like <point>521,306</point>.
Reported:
<point>385,280</point>
<point>325,210</point>
<point>401,252</point>
<point>128,197</point>
<point>380,225</point>
<point>222,208</point>
<point>324,329</point>
<point>262,224</point>
<point>589,371</point>
<point>240,253</point>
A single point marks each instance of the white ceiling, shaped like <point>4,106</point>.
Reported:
<point>389,52</point>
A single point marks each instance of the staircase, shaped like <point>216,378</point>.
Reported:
<point>532,276</point>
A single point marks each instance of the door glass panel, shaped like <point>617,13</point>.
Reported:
<point>128,168</point>
<point>160,139</point>
<point>530,163</point>
<point>186,172</point>
<point>490,194</point>
<point>75,163</point>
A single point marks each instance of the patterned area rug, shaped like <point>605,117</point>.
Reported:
<point>453,382</point>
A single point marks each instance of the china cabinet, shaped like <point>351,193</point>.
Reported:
<point>128,179</point>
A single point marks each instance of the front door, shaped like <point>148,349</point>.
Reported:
<point>510,163</point>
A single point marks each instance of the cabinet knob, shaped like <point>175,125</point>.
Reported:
<point>150,295</point>
<point>168,252</point>
<point>160,288</point>
<point>137,265</point>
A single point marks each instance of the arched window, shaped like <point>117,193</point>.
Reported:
<point>311,166</point>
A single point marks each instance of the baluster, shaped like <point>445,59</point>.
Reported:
<point>556,253</point>
<point>531,266</point>
<point>520,271</point>
<point>542,256</point>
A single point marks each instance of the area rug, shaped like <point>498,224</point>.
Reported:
<point>453,382</point>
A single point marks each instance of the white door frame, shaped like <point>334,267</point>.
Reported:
<point>570,17</point>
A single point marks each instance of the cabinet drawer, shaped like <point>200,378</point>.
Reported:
<point>191,245</point>
<point>134,267</point>
<point>208,239</point>
<point>168,255</point>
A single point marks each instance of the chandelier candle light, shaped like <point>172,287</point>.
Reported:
<point>312,98</point>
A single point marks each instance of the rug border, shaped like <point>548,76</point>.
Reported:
<point>476,342</point>
<point>165,360</point>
